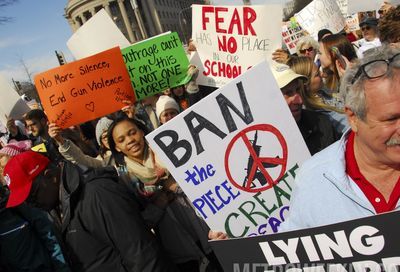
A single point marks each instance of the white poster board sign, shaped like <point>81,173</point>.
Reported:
<point>231,39</point>
<point>98,34</point>
<point>235,154</point>
<point>343,6</point>
<point>11,103</point>
<point>320,14</point>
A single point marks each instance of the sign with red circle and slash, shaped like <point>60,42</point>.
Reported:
<point>259,176</point>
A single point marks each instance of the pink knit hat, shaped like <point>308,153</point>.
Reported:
<point>14,147</point>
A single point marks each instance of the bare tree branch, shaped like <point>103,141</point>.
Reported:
<point>27,71</point>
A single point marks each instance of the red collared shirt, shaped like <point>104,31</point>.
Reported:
<point>374,196</point>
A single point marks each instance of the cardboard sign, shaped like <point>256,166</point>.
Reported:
<point>11,103</point>
<point>291,33</point>
<point>367,244</point>
<point>231,39</point>
<point>235,154</point>
<point>320,14</point>
<point>352,22</point>
<point>156,64</point>
<point>99,33</point>
<point>86,89</point>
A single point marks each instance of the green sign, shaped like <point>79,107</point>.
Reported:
<point>156,64</point>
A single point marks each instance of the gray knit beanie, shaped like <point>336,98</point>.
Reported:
<point>102,126</point>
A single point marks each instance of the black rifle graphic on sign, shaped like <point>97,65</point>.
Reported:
<point>258,175</point>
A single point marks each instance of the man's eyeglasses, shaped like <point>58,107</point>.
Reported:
<point>303,51</point>
<point>376,68</point>
<point>365,28</point>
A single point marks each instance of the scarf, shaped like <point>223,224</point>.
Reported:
<point>150,172</point>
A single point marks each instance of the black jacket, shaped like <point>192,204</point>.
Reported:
<point>27,240</point>
<point>102,225</point>
<point>317,130</point>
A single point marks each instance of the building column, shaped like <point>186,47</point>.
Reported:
<point>78,23</point>
<point>151,27</point>
<point>92,11</point>
<point>83,18</point>
<point>155,16</point>
<point>72,24</point>
<point>107,8</point>
<point>139,20</point>
<point>128,26</point>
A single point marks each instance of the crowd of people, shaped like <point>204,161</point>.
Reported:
<point>95,197</point>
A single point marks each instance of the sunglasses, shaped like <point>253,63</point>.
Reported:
<point>303,51</point>
<point>365,28</point>
<point>376,68</point>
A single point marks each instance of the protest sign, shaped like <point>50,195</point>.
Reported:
<point>343,7</point>
<point>367,244</point>
<point>352,22</point>
<point>320,14</point>
<point>235,154</point>
<point>99,33</point>
<point>231,39</point>
<point>11,104</point>
<point>156,64</point>
<point>86,89</point>
<point>291,33</point>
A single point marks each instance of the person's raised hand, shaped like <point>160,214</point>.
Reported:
<point>280,56</point>
<point>11,126</point>
<point>341,70</point>
<point>129,109</point>
<point>55,133</point>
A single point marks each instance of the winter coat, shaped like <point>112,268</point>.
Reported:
<point>102,226</point>
<point>27,241</point>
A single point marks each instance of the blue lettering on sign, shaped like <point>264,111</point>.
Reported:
<point>202,174</point>
<point>215,199</point>
<point>273,222</point>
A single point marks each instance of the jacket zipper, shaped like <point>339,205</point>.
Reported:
<point>25,224</point>
<point>340,190</point>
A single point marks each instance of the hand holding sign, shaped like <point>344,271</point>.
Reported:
<point>55,133</point>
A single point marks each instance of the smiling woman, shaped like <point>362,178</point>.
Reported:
<point>182,233</point>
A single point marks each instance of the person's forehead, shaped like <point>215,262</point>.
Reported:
<point>291,85</point>
<point>385,89</point>
<point>124,126</point>
<point>30,121</point>
<point>306,45</point>
<point>170,110</point>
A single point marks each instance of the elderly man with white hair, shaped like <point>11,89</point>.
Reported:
<point>359,175</point>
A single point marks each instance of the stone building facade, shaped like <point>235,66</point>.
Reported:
<point>137,19</point>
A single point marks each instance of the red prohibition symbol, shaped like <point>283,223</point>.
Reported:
<point>259,164</point>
